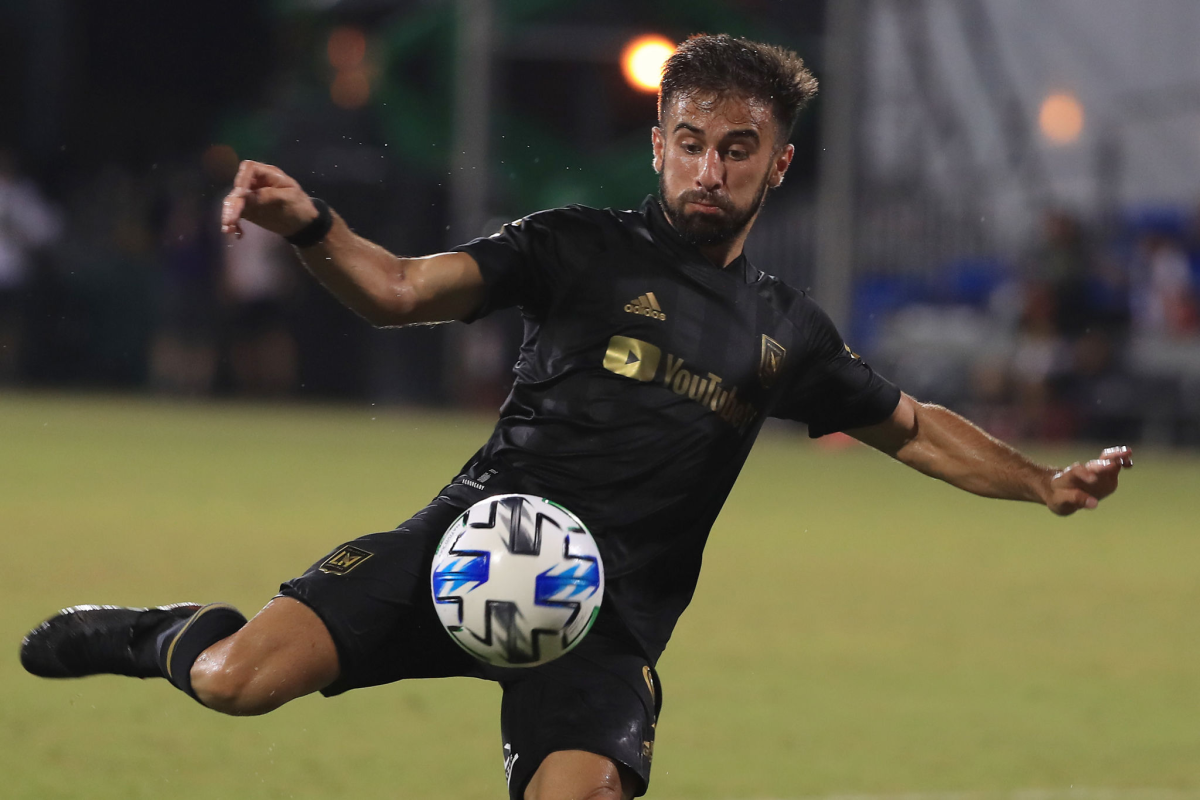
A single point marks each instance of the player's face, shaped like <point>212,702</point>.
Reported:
<point>716,156</point>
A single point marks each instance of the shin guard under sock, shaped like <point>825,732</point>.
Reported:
<point>180,645</point>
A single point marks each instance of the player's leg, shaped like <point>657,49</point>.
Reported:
<point>582,725</point>
<point>579,774</point>
<point>358,617</point>
<point>208,652</point>
<point>284,652</point>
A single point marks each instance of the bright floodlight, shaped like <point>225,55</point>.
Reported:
<point>1061,118</point>
<point>642,61</point>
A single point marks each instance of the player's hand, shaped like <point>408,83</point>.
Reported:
<point>1085,485</point>
<point>269,198</point>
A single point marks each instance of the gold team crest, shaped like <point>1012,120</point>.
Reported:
<point>344,560</point>
<point>771,363</point>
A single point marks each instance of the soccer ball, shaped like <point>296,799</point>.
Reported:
<point>517,580</point>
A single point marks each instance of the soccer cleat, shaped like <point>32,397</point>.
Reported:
<point>95,640</point>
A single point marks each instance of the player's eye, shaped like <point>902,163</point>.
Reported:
<point>692,148</point>
<point>738,154</point>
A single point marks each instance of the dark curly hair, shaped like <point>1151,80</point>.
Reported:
<point>726,65</point>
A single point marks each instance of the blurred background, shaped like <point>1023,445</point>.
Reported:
<point>997,200</point>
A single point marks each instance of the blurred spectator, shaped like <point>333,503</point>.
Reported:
<point>1086,290</point>
<point>1052,309</point>
<point>1073,313</point>
<point>1061,262</point>
<point>1193,244</point>
<point>183,357</point>
<point>28,223</point>
<point>111,272</point>
<point>1041,357</point>
<point>1164,292</point>
<point>257,280</point>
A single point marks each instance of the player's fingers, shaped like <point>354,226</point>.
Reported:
<point>1105,484</point>
<point>1094,473</point>
<point>1071,500</point>
<point>263,204</point>
<point>1081,476</point>
<point>231,210</point>
<point>1103,480</point>
<point>1106,472</point>
<point>245,174</point>
<point>253,175</point>
<point>269,196</point>
<point>1122,454</point>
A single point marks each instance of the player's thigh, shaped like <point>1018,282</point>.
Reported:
<point>600,701</point>
<point>373,596</point>
<point>578,773</point>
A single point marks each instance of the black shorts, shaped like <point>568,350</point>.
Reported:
<point>374,596</point>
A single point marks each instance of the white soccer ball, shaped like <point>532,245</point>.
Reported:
<point>517,580</point>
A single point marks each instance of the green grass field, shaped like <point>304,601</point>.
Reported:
<point>858,629</point>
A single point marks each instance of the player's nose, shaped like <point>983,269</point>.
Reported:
<point>712,171</point>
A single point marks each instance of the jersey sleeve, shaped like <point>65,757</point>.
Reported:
<point>833,389</point>
<point>521,263</point>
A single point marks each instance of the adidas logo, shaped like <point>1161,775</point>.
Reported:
<point>647,306</point>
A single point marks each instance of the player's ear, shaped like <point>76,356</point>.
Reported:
<point>657,142</point>
<point>783,160</point>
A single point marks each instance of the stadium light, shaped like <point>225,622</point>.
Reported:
<point>1061,118</point>
<point>347,53</point>
<point>351,88</point>
<point>642,61</point>
<point>347,47</point>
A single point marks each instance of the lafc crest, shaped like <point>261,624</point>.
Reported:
<point>771,363</point>
<point>344,560</point>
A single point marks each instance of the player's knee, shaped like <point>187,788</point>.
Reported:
<point>229,686</point>
<point>578,775</point>
<point>604,791</point>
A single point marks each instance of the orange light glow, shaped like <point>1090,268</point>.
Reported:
<point>347,47</point>
<point>351,88</point>
<point>642,61</point>
<point>1061,118</point>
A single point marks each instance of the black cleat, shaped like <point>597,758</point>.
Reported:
<point>94,640</point>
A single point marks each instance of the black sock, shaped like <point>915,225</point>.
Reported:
<point>180,645</point>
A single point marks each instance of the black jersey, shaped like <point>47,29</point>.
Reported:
<point>643,380</point>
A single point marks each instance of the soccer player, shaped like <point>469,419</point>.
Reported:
<point>653,352</point>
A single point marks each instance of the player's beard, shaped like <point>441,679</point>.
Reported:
<point>703,229</point>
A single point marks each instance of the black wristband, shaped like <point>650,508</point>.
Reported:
<point>315,231</point>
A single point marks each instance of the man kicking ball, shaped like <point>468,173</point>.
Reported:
<point>653,352</point>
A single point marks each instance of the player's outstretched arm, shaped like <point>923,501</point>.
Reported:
<point>384,289</point>
<point>940,443</point>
